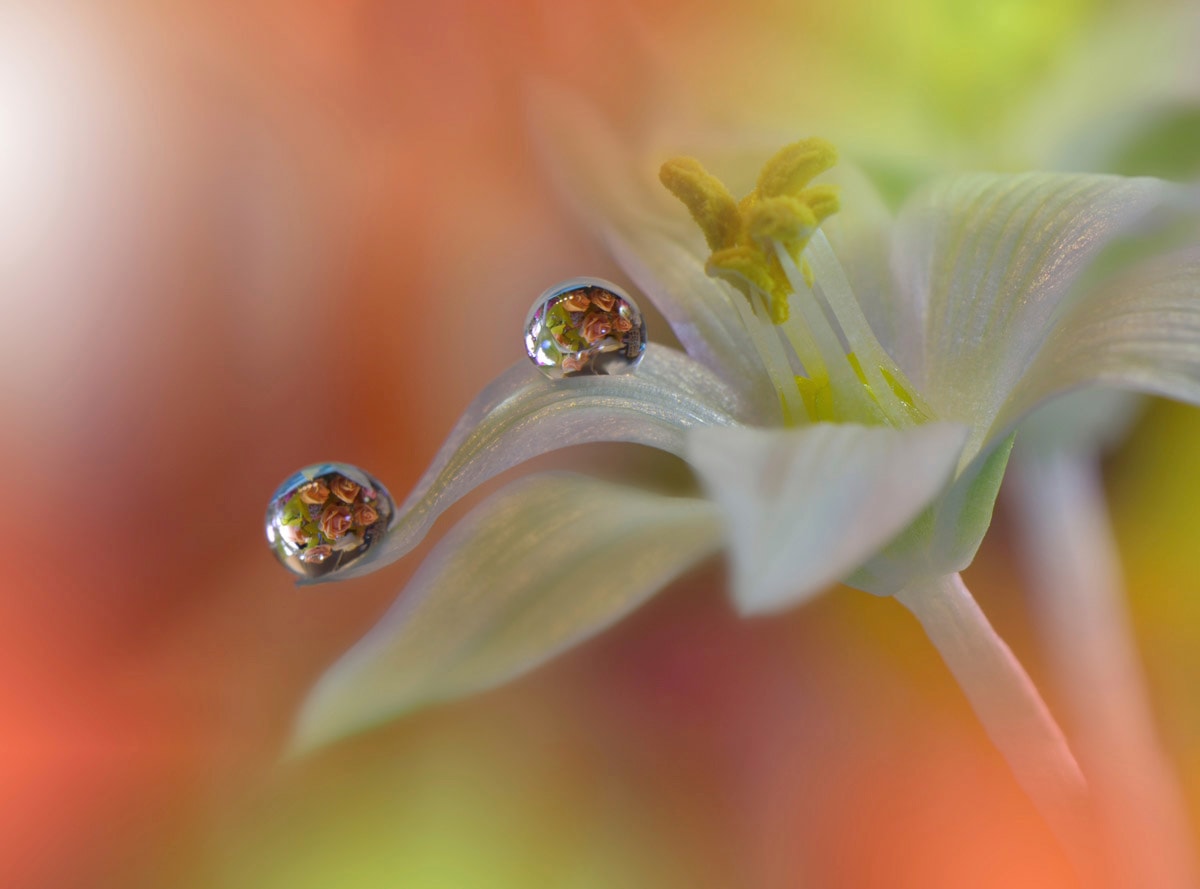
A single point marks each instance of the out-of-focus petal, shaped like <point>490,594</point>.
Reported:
<point>538,567</point>
<point>1114,101</point>
<point>806,507</point>
<point>617,196</point>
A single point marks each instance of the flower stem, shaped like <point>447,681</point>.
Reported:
<point>1010,708</point>
<point>1084,630</point>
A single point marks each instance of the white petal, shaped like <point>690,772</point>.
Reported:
<point>1140,331</point>
<point>523,414</point>
<point>540,566</point>
<point>670,270</point>
<point>806,507</point>
<point>986,261</point>
<point>615,192</point>
<point>945,537</point>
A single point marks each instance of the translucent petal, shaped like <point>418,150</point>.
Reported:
<point>1103,103</point>
<point>670,271</point>
<point>1140,331</point>
<point>986,262</point>
<point>522,415</point>
<point>617,195</point>
<point>546,562</point>
<point>806,507</point>
<point>1162,139</point>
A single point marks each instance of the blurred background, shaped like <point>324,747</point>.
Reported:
<point>236,239</point>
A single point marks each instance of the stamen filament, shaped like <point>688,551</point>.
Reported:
<point>774,358</point>
<point>833,285</point>
<point>841,374</point>
<point>806,349</point>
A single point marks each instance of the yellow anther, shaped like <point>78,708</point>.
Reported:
<point>822,200</point>
<point>746,267</point>
<point>706,197</point>
<point>783,219</point>
<point>783,209</point>
<point>794,166</point>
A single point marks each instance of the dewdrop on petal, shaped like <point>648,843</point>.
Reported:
<point>326,517</point>
<point>585,327</point>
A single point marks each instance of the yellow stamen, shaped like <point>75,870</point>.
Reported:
<point>898,388</point>
<point>710,203</point>
<point>793,166</point>
<point>818,397</point>
<point>746,267</point>
<point>779,219</point>
<point>783,209</point>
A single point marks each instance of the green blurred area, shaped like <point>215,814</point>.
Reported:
<point>1155,490</point>
<point>508,789</point>
<point>441,808</point>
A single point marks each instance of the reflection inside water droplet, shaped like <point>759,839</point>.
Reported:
<point>327,517</point>
<point>585,326</point>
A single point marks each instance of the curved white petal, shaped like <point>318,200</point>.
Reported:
<point>548,561</point>
<point>942,540</point>
<point>522,415</point>
<point>806,507</point>
<point>670,270</point>
<point>617,195</point>
<point>1140,331</point>
<point>986,262</point>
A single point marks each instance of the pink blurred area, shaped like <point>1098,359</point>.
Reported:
<point>239,238</point>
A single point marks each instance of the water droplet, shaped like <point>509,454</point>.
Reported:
<point>582,327</point>
<point>327,517</point>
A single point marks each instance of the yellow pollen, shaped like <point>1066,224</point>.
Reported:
<point>783,209</point>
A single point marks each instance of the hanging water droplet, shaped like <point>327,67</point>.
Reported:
<point>585,326</point>
<point>326,517</point>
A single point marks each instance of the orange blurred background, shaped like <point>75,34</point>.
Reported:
<point>239,238</point>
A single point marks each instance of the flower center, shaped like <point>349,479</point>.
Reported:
<point>824,360</point>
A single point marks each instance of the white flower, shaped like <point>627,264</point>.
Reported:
<point>879,466</point>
